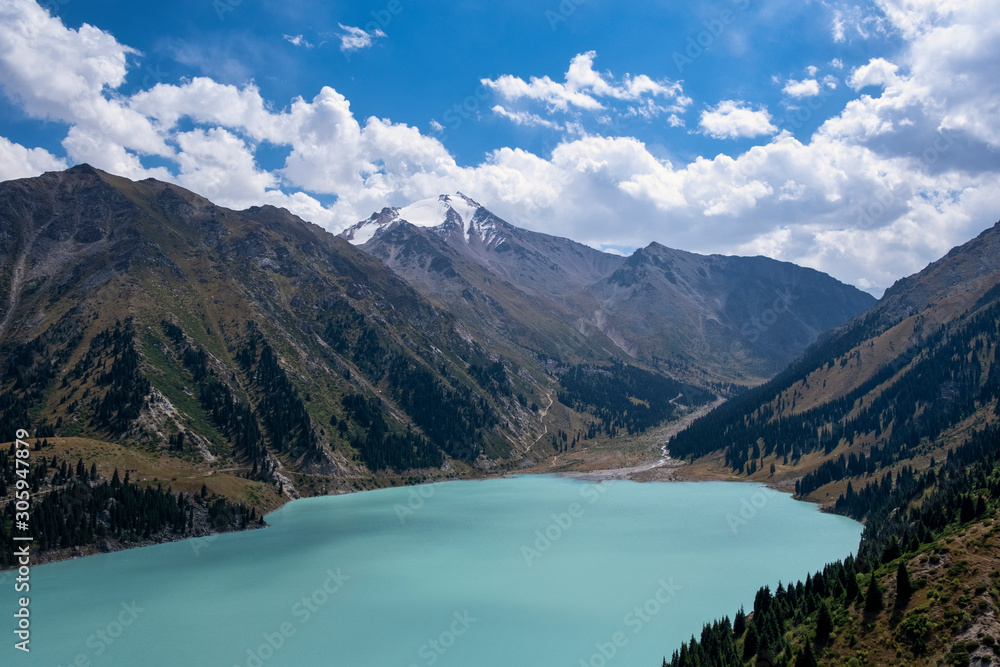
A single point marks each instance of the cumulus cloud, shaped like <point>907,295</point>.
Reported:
<point>16,161</point>
<point>586,89</point>
<point>878,72</point>
<point>354,39</point>
<point>804,88</point>
<point>733,119</point>
<point>883,187</point>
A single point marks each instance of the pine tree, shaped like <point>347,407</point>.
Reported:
<point>806,658</point>
<point>873,597</point>
<point>824,623</point>
<point>968,511</point>
<point>740,623</point>
<point>750,643</point>
<point>904,589</point>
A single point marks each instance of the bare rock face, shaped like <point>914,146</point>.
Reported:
<point>699,317</point>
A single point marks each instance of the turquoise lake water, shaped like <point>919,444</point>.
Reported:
<point>526,571</point>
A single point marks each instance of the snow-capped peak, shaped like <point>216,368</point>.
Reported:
<point>440,213</point>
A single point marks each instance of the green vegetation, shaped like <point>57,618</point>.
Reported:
<point>625,398</point>
<point>74,507</point>
<point>905,518</point>
<point>912,400</point>
<point>381,448</point>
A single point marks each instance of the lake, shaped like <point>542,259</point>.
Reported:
<point>529,570</point>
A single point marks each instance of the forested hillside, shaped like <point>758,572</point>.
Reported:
<point>923,590</point>
<point>895,386</point>
<point>893,420</point>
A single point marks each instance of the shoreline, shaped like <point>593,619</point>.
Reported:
<point>664,469</point>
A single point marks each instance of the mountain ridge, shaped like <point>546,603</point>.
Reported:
<point>687,317</point>
<point>893,419</point>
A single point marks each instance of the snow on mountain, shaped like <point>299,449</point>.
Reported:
<point>441,213</point>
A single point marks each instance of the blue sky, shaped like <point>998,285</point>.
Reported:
<point>857,138</point>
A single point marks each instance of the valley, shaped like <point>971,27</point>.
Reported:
<point>204,367</point>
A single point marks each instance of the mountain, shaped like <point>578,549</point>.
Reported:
<point>229,360</point>
<point>896,385</point>
<point>893,420</point>
<point>249,345</point>
<point>703,318</point>
<point>258,355</point>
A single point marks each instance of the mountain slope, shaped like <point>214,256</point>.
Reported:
<point>892,420</point>
<point>752,313</point>
<point>894,386</point>
<point>703,318</point>
<point>250,341</point>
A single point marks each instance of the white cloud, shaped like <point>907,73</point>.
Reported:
<point>838,27</point>
<point>799,89</point>
<point>16,161</point>
<point>525,118</point>
<point>882,188</point>
<point>52,69</point>
<point>732,119</point>
<point>878,72</point>
<point>852,21</point>
<point>584,88</point>
<point>555,95</point>
<point>354,39</point>
<point>299,40</point>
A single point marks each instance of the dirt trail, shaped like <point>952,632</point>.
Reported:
<point>541,418</point>
<point>662,436</point>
